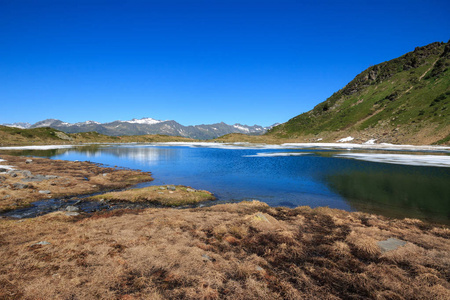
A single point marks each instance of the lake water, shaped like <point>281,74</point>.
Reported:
<point>288,177</point>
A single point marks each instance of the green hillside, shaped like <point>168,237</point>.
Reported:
<point>10,136</point>
<point>404,100</point>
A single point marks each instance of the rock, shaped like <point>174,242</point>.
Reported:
<point>72,214</point>
<point>28,161</point>
<point>42,243</point>
<point>171,188</point>
<point>190,190</point>
<point>162,188</point>
<point>44,192</point>
<point>105,174</point>
<point>35,178</point>
<point>72,208</point>
<point>20,186</point>
<point>390,244</point>
<point>206,258</point>
<point>3,170</point>
<point>6,196</point>
<point>162,193</point>
<point>25,173</point>
<point>12,173</point>
<point>63,136</point>
<point>51,176</point>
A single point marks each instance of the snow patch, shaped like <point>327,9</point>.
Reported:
<point>147,121</point>
<point>242,128</point>
<point>370,142</point>
<point>47,147</point>
<point>276,154</point>
<point>401,159</point>
<point>347,139</point>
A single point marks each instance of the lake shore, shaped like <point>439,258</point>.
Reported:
<point>247,250</point>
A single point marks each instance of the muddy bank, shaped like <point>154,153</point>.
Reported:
<point>30,179</point>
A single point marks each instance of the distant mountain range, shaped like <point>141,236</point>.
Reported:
<point>147,126</point>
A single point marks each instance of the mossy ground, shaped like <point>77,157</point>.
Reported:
<point>158,195</point>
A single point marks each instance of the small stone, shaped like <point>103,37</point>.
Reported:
<point>25,173</point>
<point>171,192</point>
<point>72,214</point>
<point>51,176</point>
<point>259,269</point>
<point>105,174</point>
<point>162,188</point>
<point>3,170</point>
<point>190,190</point>
<point>72,208</point>
<point>94,185</point>
<point>12,173</point>
<point>41,243</point>
<point>390,244</point>
<point>6,196</point>
<point>171,188</point>
<point>162,193</point>
<point>20,186</point>
<point>44,192</point>
<point>28,161</point>
<point>206,258</point>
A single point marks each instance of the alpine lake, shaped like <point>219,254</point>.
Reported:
<point>283,176</point>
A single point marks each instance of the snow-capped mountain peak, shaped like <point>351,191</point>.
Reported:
<point>147,121</point>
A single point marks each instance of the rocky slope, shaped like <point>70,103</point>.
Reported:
<point>404,100</point>
<point>147,126</point>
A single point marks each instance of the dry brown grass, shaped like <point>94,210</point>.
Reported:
<point>159,195</point>
<point>74,178</point>
<point>233,251</point>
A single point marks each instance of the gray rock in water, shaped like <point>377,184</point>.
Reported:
<point>44,192</point>
<point>390,244</point>
<point>20,186</point>
<point>72,208</point>
<point>171,188</point>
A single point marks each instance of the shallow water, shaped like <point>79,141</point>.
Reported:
<point>288,177</point>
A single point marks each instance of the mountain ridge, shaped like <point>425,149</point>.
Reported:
<point>145,126</point>
<point>403,100</point>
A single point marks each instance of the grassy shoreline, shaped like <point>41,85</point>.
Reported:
<point>246,250</point>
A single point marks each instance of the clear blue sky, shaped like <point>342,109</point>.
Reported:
<point>246,61</point>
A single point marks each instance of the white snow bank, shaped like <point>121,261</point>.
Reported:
<point>277,154</point>
<point>46,147</point>
<point>370,142</point>
<point>402,159</point>
<point>347,139</point>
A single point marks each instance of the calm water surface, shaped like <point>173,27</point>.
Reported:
<point>312,177</point>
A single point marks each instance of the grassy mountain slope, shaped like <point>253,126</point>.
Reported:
<point>46,135</point>
<point>404,100</point>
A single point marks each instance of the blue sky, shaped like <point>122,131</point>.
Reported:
<point>197,62</point>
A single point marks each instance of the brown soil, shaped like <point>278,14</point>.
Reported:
<point>73,178</point>
<point>233,251</point>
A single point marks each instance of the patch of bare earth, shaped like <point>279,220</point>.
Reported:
<point>234,251</point>
<point>58,178</point>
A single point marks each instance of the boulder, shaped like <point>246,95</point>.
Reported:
<point>72,208</point>
<point>44,192</point>
<point>390,244</point>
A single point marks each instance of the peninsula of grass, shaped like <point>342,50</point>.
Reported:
<point>159,195</point>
